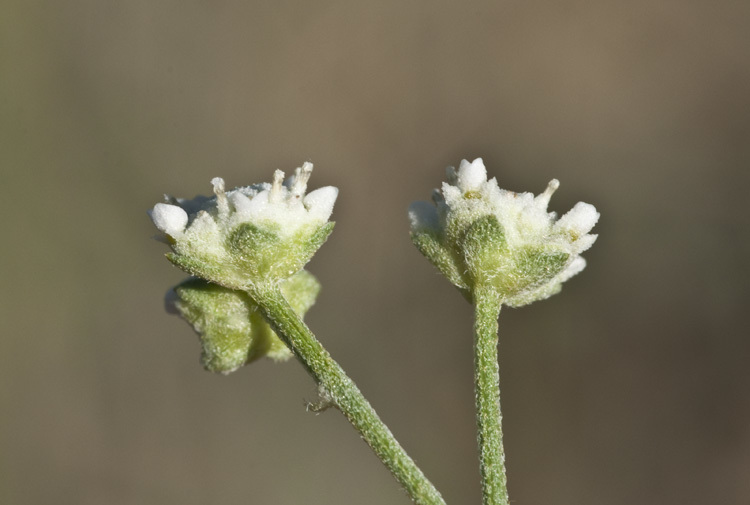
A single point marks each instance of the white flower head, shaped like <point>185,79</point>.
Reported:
<point>480,235</point>
<point>259,232</point>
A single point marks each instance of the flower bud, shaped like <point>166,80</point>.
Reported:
<point>231,329</point>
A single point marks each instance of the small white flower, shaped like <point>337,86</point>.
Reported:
<point>271,228</point>
<point>169,219</point>
<point>478,233</point>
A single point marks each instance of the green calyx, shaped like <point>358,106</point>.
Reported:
<point>477,255</point>
<point>231,329</point>
<point>253,254</point>
<point>262,253</point>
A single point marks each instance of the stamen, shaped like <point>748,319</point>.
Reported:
<point>278,180</point>
<point>301,176</point>
<point>544,197</point>
<point>222,204</point>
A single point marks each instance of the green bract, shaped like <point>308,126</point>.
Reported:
<point>255,234</point>
<point>483,237</point>
<point>232,331</point>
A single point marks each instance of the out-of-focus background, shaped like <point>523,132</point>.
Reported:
<point>632,386</point>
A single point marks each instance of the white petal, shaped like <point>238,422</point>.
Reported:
<point>319,203</point>
<point>169,219</point>
<point>579,220</point>
<point>451,194</point>
<point>472,175</point>
<point>423,216</point>
<point>240,201</point>
<point>575,267</point>
<point>583,243</point>
<point>256,205</point>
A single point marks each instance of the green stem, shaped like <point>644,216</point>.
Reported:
<point>487,383</point>
<point>343,393</point>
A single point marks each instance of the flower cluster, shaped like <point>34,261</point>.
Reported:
<point>240,239</point>
<point>260,233</point>
<point>481,236</point>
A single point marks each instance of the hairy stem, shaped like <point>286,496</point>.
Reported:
<point>343,393</point>
<point>487,385</point>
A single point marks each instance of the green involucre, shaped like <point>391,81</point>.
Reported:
<point>476,254</point>
<point>254,254</point>
<point>231,329</point>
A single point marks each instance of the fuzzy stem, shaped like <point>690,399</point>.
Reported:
<point>343,393</point>
<point>487,383</point>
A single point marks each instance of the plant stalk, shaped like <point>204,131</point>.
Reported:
<point>487,390</point>
<point>341,391</point>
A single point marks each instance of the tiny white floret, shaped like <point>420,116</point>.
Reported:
<point>319,203</point>
<point>169,219</point>
<point>471,176</point>
<point>579,220</point>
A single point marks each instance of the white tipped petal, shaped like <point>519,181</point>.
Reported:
<point>240,201</point>
<point>575,267</point>
<point>472,175</point>
<point>451,194</point>
<point>584,243</point>
<point>579,220</point>
<point>423,216</point>
<point>169,219</point>
<point>319,203</point>
<point>256,205</point>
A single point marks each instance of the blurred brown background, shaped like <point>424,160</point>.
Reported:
<point>629,387</point>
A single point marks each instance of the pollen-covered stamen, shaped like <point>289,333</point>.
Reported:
<point>222,204</point>
<point>301,176</point>
<point>275,193</point>
<point>543,198</point>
